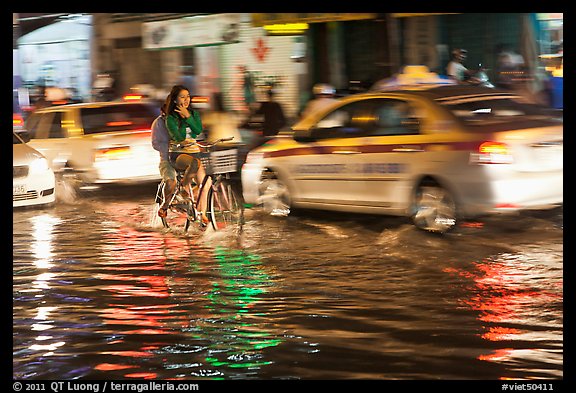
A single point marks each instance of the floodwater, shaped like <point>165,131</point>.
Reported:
<point>101,291</point>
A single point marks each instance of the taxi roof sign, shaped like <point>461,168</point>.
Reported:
<point>418,76</point>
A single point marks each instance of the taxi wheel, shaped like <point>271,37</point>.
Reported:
<point>274,196</point>
<point>434,209</point>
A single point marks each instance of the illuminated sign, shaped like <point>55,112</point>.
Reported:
<point>204,30</point>
<point>286,29</point>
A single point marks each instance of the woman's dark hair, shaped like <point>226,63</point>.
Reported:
<point>170,103</point>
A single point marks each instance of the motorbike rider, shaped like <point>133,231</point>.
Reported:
<point>323,96</point>
<point>456,69</point>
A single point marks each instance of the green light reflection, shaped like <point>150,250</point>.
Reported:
<point>232,301</point>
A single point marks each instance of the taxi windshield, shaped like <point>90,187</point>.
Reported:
<point>497,109</point>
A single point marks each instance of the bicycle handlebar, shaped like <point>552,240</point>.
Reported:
<point>204,145</point>
<point>214,143</point>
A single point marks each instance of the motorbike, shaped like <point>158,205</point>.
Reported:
<point>480,78</point>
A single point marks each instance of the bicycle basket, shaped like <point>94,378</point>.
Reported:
<point>222,161</point>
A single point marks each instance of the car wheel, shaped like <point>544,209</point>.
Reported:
<point>434,209</point>
<point>274,196</point>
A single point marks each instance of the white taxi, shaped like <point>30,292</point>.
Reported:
<point>33,181</point>
<point>436,153</point>
<point>97,142</point>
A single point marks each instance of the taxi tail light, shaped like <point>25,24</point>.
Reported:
<point>512,206</point>
<point>119,123</point>
<point>132,97</point>
<point>492,153</point>
<point>17,120</point>
<point>112,153</point>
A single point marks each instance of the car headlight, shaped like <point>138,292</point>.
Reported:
<point>39,165</point>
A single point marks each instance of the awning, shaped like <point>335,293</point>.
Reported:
<point>58,32</point>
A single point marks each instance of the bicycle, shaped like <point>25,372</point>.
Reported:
<point>225,204</point>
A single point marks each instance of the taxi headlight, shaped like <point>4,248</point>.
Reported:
<point>39,165</point>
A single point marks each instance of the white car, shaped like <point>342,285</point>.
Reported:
<point>97,142</point>
<point>33,180</point>
<point>433,153</point>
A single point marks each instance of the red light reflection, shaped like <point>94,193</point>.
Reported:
<point>511,292</point>
<point>156,316</point>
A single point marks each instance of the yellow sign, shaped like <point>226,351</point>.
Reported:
<point>259,20</point>
<point>286,29</point>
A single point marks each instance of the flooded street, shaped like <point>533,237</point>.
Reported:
<point>100,291</point>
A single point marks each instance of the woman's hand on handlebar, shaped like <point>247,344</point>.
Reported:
<point>213,143</point>
<point>184,144</point>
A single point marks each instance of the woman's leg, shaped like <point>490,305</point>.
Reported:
<point>202,199</point>
<point>191,165</point>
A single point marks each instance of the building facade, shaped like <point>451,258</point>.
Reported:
<point>343,49</point>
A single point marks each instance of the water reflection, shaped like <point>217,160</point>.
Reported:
<point>99,293</point>
<point>41,247</point>
<point>237,342</point>
<point>518,297</point>
<point>198,318</point>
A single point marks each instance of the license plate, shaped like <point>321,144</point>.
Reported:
<point>19,189</point>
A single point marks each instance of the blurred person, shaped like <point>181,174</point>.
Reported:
<point>161,143</point>
<point>220,123</point>
<point>324,95</point>
<point>104,87</point>
<point>183,124</point>
<point>455,68</point>
<point>248,84</point>
<point>266,120</point>
<point>508,67</point>
<point>242,92</point>
<point>188,79</point>
<point>273,118</point>
<point>41,101</point>
<point>54,93</point>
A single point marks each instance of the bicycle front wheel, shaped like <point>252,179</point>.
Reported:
<point>225,205</point>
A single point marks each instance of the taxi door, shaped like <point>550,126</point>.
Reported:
<point>330,172</point>
<point>396,152</point>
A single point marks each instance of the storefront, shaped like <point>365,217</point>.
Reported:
<point>551,45</point>
<point>335,48</point>
<point>57,55</point>
<point>231,57</point>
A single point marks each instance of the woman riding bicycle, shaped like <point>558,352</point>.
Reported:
<point>184,125</point>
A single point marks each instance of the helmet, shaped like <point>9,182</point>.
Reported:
<point>459,53</point>
<point>323,88</point>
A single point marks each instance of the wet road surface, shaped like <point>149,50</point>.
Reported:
<point>101,291</point>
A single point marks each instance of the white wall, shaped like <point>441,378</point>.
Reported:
<point>276,52</point>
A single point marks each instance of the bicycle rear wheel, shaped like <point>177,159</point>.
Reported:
<point>225,205</point>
